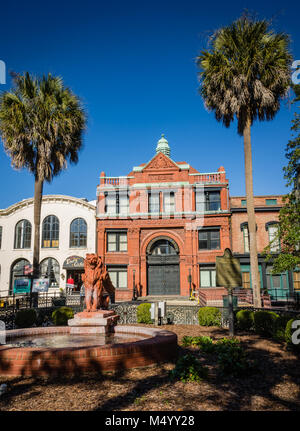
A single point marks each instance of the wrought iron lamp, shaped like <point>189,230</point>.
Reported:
<point>190,281</point>
<point>134,292</point>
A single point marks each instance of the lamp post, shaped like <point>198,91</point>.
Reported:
<point>134,297</point>
<point>190,281</point>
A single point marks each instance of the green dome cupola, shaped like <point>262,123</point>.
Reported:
<point>163,146</point>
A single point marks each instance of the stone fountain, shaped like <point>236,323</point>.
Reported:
<point>92,341</point>
<point>96,318</point>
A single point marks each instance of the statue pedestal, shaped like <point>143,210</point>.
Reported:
<point>93,322</point>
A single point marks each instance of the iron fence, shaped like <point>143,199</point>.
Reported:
<point>175,314</point>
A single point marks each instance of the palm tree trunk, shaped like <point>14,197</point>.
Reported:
<point>38,192</point>
<point>251,216</point>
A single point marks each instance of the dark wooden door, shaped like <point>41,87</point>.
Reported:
<point>163,279</point>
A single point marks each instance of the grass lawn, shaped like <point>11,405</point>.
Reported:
<point>274,386</point>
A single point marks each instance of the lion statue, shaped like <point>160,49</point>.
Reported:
<point>97,283</point>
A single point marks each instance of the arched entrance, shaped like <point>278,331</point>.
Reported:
<point>163,267</point>
<point>17,271</point>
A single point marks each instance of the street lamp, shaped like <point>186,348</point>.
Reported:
<point>190,281</point>
<point>134,296</point>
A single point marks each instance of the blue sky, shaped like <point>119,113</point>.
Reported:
<point>133,65</point>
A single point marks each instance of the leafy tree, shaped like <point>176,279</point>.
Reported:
<point>244,74</point>
<point>41,126</point>
<point>289,216</point>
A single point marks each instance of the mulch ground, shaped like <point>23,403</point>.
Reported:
<point>274,386</point>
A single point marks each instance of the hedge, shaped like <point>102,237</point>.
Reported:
<point>61,316</point>
<point>209,316</point>
<point>26,318</point>
<point>143,313</point>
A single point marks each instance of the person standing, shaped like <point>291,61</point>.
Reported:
<point>70,283</point>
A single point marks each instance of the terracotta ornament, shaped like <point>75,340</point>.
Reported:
<point>97,283</point>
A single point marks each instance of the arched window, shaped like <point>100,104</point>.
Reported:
<point>245,230</point>
<point>50,232</point>
<point>162,247</point>
<point>23,234</point>
<point>78,233</point>
<point>49,268</point>
<point>17,271</point>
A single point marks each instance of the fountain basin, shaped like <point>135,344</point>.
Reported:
<point>156,345</point>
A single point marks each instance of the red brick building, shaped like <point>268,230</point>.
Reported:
<point>267,208</point>
<point>163,222</point>
<point>161,227</point>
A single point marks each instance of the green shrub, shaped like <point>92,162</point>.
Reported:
<point>44,315</point>
<point>288,335</point>
<point>187,341</point>
<point>264,322</point>
<point>232,361</point>
<point>209,316</point>
<point>143,313</point>
<point>189,369</point>
<point>225,344</point>
<point>25,318</point>
<point>280,327</point>
<point>244,320</point>
<point>61,316</point>
<point>203,342</point>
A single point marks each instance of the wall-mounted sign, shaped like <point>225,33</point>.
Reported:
<point>228,270</point>
<point>40,285</point>
<point>22,285</point>
<point>74,262</point>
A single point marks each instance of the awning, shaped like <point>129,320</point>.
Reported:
<point>74,262</point>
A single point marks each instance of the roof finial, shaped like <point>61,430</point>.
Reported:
<point>163,146</point>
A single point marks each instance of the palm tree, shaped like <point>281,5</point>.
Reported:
<point>244,74</point>
<point>41,126</point>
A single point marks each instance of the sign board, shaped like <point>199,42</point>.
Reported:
<point>162,309</point>
<point>22,285</point>
<point>40,285</point>
<point>74,262</point>
<point>228,270</point>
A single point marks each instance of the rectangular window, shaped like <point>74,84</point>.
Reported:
<point>116,203</point>
<point>207,276</point>
<point>246,280</point>
<point>123,201</point>
<point>118,277</point>
<point>110,203</point>
<point>296,280</point>
<point>271,201</point>
<point>246,239</point>
<point>153,202</point>
<point>243,202</point>
<point>169,202</point>
<point>116,241</point>
<point>208,201</point>
<point>209,239</point>
<point>275,246</point>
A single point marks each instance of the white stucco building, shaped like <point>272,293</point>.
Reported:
<point>67,233</point>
